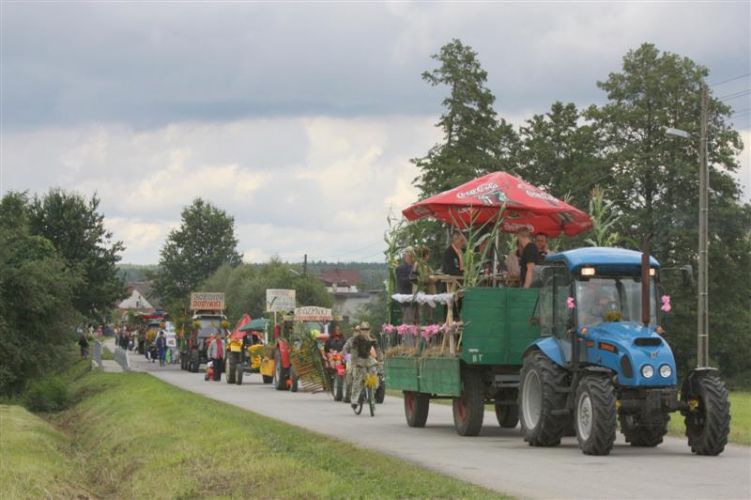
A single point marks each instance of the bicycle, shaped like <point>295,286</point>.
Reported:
<point>368,393</point>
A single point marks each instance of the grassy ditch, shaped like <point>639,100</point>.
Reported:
<point>35,458</point>
<point>141,438</point>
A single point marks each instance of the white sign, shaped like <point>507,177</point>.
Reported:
<point>213,301</point>
<point>313,313</point>
<point>280,300</point>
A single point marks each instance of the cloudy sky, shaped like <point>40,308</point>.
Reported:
<point>299,119</point>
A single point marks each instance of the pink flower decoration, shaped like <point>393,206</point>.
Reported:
<point>570,303</point>
<point>388,328</point>
<point>403,329</point>
<point>666,303</point>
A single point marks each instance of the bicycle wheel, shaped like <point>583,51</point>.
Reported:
<point>371,401</point>
<point>360,402</point>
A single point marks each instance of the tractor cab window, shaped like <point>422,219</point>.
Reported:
<point>551,305</point>
<point>601,299</point>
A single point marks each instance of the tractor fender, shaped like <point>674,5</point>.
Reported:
<point>549,347</point>
<point>283,347</point>
<point>687,386</point>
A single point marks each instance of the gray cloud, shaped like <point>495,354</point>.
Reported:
<point>152,64</point>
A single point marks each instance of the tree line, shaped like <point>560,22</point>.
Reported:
<point>645,181</point>
<point>57,271</point>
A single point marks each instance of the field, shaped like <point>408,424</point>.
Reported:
<point>137,437</point>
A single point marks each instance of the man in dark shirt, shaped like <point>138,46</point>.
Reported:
<point>453,260</point>
<point>541,242</point>
<point>528,257</point>
<point>404,275</point>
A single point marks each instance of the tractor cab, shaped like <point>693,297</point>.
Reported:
<point>601,359</point>
<point>590,307</point>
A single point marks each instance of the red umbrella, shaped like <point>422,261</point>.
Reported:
<point>480,201</point>
<point>237,333</point>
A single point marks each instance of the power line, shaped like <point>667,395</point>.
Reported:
<point>735,95</point>
<point>729,80</point>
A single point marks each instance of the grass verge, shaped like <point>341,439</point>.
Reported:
<point>143,438</point>
<point>35,459</point>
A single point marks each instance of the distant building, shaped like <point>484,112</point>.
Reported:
<point>341,280</point>
<point>342,284</point>
<point>137,301</point>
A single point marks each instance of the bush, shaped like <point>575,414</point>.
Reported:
<point>48,395</point>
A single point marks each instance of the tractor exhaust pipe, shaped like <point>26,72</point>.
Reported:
<point>645,295</point>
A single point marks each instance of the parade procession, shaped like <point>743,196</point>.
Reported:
<point>375,250</point>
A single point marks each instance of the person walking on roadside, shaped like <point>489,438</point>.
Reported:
<point>161,347</point>
<point>347,353</point>
<point>215,353</point>
<point>84,345</point>
<point>362,362</point>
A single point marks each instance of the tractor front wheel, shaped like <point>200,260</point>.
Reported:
<point>416,406</point>
<point>708,416</point>
<point>469,408</point>
<point>540,395</point>
<point>267,379</point>
<point>595,415</point>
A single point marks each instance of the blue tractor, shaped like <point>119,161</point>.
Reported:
<point>601,359</point>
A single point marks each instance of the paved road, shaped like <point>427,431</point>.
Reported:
<point>498,458</point>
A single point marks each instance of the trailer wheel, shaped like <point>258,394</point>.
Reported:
<point>507,415</point>
<point>595,415</point>
<point>416,406</point>
<point>469,408</point>
<point>538,398</point>
<point>644,433</point>
<point>280,381</point>
<point>267,379</point>
<point>708,425</point>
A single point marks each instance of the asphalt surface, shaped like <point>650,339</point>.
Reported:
<point>497,459</point>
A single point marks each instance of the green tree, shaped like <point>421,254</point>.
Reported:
<point>245,287</point>
<point>204,242</point>
<point>75,227</point>
<point>562,154</point>
<point>475,142</point>
<point>37,289</point>
<point>655,177</point>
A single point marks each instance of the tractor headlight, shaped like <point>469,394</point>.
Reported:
<point>665,371</point>
<point>647,371</point>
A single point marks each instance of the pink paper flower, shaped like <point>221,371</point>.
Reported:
<point>388,328</point>
<point>666,303</point>
<point>403,329</point>
<point>570,303</point>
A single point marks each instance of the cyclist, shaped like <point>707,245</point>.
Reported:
<point>362,361</point>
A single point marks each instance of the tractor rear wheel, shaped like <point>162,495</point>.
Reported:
<point>239,372</point>
<point>540,395</point>
<point>230,369</point>
<point>595,415</point>
<point>416,406</point>
<point>293,386</point>
<point>708,423</point>
<point>280,381</point>
<point>507,415</point>
<point>469,408</point>
<point>646,433</point>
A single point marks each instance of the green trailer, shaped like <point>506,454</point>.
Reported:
<point>497,329</point>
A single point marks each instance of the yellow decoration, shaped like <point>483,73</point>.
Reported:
<point>371,380</point>
<point>612,316</point>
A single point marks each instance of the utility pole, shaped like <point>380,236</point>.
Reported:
<point>305,265</point>
<point>702,331</point>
